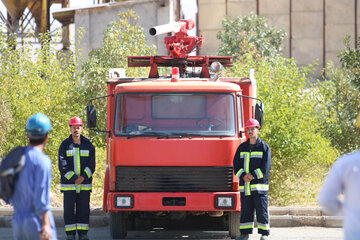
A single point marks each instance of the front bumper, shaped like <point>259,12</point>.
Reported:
<point>166,201</point>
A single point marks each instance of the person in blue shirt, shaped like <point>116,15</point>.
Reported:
<point>33,218</point>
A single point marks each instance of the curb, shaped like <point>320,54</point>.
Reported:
<point>279,217</point>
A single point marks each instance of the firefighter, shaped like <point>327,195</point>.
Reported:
<point>343,179</point>
<point>252,164</point>
<point>76,166</point>
<point>31,199</point>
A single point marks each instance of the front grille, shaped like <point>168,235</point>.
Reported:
<point>174,179</point>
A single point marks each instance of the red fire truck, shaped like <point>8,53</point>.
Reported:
<point>171,139</point>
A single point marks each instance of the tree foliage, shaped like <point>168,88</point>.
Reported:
<point>350,62</point>
<point>341,100</point>
<point>301,149</point>
<point>35,79</point>
<point>292,128</point>
<point>122,38</point>
<point>44,80</point>
<point>249,34</point>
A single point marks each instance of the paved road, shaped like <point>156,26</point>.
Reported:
<point>295,233</point>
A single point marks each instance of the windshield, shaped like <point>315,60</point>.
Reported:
<point>175,114</point>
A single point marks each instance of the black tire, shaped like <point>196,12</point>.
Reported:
<point>234,224</point>
<point>118,225</point>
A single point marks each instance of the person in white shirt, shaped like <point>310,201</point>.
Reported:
<point>344,178</point>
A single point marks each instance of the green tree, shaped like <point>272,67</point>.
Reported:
<point>35,79</point>
<point>122,38</point>
<point>249,34</point>
<point>341,100</point>
<point>350,62</point>
<point>292,128</point>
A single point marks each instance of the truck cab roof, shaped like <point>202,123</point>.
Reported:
<point>181,86</point>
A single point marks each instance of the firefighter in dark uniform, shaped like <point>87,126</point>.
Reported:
<point>252,163</point>
<point>76,166</point>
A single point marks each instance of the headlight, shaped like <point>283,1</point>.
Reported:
<point>224,202</point>
<point>124,201</point>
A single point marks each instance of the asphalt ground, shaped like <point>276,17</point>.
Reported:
<point>293,223</point>
<point>279,217</point>
<point>294,233</point>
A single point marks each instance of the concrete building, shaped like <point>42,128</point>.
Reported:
<point>94,20</point>
<point>315,28</point>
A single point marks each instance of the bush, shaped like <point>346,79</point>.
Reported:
<point>250,34</point>
<point>300,152</point>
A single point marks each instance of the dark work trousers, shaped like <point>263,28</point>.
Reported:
<point>249,204</point>
<point>76,212</point>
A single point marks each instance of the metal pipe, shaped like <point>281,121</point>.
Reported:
<point>290,28</point>
<point>324,35</point>
<point>166,28</point>
<point>356,32</point>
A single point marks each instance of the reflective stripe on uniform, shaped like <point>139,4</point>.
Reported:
<point>263,226</point>
<point>88,172</point>
<point>70,227</point>
<point>77,166</point>
<point>69,174</point>
<point>67,187</point>
<point>69,153</point>
<point>84,153</point>
<point>238,174</point>
<point>256,154</point>
<point>86,186</point>
<point>247,170</point>
<point>258,187</point>
<point>82,226</point>
<point>258,173</point>
<point>247,225</point>
<point>72,187</point>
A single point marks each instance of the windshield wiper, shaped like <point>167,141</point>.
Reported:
<point>146,134</point>
<point>185,134</point>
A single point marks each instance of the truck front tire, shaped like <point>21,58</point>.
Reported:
<point>118,225</point>
<point>234,224</point>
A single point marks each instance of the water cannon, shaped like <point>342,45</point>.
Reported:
<point>181,44</point>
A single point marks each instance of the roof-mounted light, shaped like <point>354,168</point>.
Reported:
<point>175,75</point>
<point>215,67</point>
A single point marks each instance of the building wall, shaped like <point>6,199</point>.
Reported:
<point>315,28</point>
<point>95,19</point>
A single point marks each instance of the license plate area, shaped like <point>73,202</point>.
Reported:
<point>174,201</point>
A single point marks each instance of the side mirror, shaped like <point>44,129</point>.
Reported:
<point>91,116</point>
<point>259,113</point>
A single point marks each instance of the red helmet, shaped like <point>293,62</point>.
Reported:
<point>252,123</point>
<point>75,121</point>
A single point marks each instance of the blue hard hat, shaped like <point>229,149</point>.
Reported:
<point>38,124</point>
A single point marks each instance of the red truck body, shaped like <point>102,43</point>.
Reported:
<point>171,143</point>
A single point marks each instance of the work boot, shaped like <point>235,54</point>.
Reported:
<point>243,237</point>
<point>70,237</point>
<point>83,237</point>
<point>264,237</point>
